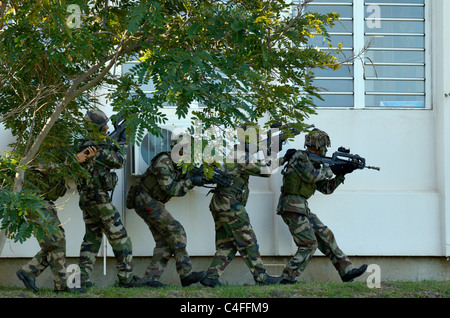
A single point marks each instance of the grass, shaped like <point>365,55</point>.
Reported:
<point>397,289</point>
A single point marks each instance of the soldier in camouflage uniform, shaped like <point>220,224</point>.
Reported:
<point>99,214</point>
<point>53,246</point>
<point>301,178</point>
<point>161,181</point>
<point>232,223</point>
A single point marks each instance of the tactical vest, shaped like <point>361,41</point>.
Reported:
<point>239,190</point>
<point>149,182</point>
<point>293,184</point>
<point>102,178</point>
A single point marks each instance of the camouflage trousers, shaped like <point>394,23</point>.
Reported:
<point>169,235</point>
<point>235,233</point>
<point>100,216</point>
<point>309,233</point>
<point>52,253</point>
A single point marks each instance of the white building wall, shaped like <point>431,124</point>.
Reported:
<point>394,211</point>
<point>441,101</point>
<point>403,210</point>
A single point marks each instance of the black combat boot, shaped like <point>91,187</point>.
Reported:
<point>270,280</point>
<point>134,282</point>
<point>285,281</point>
<point>70,290</point>
<point>86,284</point>
<point>27,280</point>
<point>210,282</point>
<point>152,282</point>
<point>356,272</point>
<point>192,278</point>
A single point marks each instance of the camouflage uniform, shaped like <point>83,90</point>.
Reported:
<point>301,178</point>
<point>53,246</point>
<point>162,181</point>
<point>232,223</point>
<point>100,215</point>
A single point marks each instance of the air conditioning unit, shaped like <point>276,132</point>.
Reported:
<point>151,145</point>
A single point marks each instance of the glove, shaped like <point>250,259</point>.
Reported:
<point>197,181</point>
<point>289,154</point>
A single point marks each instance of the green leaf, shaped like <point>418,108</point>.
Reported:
<point>137,16</point>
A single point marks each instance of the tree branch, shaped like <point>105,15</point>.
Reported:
<point>2,13</point>
<point>300,8</point>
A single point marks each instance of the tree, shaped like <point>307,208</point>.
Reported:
<point>52,61</point>
<point>241,59</point>
<point>19,210</point>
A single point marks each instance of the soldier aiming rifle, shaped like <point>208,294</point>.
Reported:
<point>305,172</point>
<point>114,139</point>
<point>99,214</point>
<point>162,181</point>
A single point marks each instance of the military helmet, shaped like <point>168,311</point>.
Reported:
<point>317,138</point>
<point>97,117</point>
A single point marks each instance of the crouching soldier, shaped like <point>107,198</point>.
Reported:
<point>161,181</point>
<point>234,232</point>
<point>53,246</point>
<point>301,178</point>
<point>99,214</point>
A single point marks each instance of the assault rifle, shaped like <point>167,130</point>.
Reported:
<point>342,156</point>
<point>118,135</point>
<point>219,177</point>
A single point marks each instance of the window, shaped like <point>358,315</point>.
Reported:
<point>390,43</point>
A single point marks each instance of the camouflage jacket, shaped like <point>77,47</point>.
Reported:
<point>100,166</point>
<point>46,181</point>
<point>164,180</point>
<point>301,178</point>
<point>241,169</point>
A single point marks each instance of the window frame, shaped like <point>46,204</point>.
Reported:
<point>358,76</point>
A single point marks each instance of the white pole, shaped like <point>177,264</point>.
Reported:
<point>105,248</point>
<point>2,240</point>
